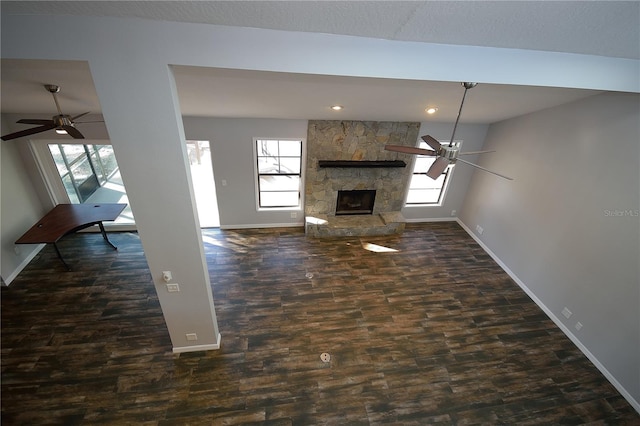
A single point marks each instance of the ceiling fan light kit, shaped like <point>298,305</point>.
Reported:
<point>63,124</point>
<point>447,154</point>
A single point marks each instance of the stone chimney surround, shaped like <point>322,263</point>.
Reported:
<point>361,142</point>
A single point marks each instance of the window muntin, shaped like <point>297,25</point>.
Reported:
<point>279,177</point>
<point>422,189</point>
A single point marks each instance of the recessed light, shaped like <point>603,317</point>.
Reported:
<point>336,107</point>
<point>431,110</point>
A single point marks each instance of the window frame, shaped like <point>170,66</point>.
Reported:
<point>258,175</point>
<point>448,173</point>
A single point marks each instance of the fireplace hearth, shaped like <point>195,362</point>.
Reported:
<point>355,202</point>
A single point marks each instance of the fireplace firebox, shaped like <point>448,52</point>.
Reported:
<point>359,201</point>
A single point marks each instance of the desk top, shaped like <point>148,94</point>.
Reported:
<point>67,218</point>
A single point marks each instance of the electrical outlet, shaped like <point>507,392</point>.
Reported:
<point>192,336</point>
<point>566,312</point>
<point>479,229</point>
<point>173,288</point>
<point>578,325</point>
<point>453,213</point>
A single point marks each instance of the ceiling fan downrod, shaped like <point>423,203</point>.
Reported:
<point>467,86</point>
<point>53,89</point>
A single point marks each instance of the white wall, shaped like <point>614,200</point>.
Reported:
<point>232,156</point>
<point>472,136</point>
<point>555,227</point>
<point>20,208</point>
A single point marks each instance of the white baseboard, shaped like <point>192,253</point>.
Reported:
<point>24,264</point>
<point>431,219</point>
<point>635,404</point>
<point>263,225</point>
<point>196,348</point>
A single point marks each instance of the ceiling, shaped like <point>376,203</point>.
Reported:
<point>590,27</point>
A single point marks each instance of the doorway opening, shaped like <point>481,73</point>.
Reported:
<point>204,186</point>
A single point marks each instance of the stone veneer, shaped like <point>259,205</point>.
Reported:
<point>356,140</point>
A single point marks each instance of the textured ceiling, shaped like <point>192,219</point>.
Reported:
<point>587,27</point>
<point>603,28</point>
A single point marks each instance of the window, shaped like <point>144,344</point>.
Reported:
<point>279,172</point>
<point>423,190</point>
<point>84,169</point>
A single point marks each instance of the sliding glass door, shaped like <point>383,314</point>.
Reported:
<point>83,169</point>
<point>78,173</point>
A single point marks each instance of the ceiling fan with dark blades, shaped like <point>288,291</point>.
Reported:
<point>61,122</point>
<point>447,154</point>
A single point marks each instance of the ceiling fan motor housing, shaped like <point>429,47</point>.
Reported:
<point>62,120</point>
<point>449,152</point>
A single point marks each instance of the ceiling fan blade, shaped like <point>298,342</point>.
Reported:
<point>409,150</point>
<point>28,132</point>
<point>80,115</point>
<point>75,133</point>
<point>34,121</point>
<point>475,152</point>
<point>432,142</point>
<point>437,168</point>
<point>483,169</point>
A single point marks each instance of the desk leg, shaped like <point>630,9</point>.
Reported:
<point>60,257</point>
<point>104,235</point>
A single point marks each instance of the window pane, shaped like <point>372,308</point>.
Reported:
<point>73,152</point>
<point>290,165</point>
<point>108,159</point>
<point>279,199</point>
<point>279,183</point>
<point>81,170</point>
<point>57,158</point>
<point>290,148</point>
<point>425,182</point>
<point>71,191</point>
<point>423,196</point>
<point>422,164</point>
<point>267,148</point>
<point>419,182</point>
<point>268,165</point>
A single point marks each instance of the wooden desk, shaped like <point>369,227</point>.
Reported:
<point>66,219</point>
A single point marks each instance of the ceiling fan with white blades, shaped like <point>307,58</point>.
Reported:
<point>63,123</point>
<point>447,154</point>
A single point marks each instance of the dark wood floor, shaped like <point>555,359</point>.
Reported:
<point>434,333</point>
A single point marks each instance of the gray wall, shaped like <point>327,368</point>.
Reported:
<point>567,227</point>
<point>20,209</point>
<point>472,137</point>
<point>231,141</point>
<point>232,156</point>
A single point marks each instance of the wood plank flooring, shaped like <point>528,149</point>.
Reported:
<point>432,333</point>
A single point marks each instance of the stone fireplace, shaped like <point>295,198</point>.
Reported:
<point>349,156</point>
